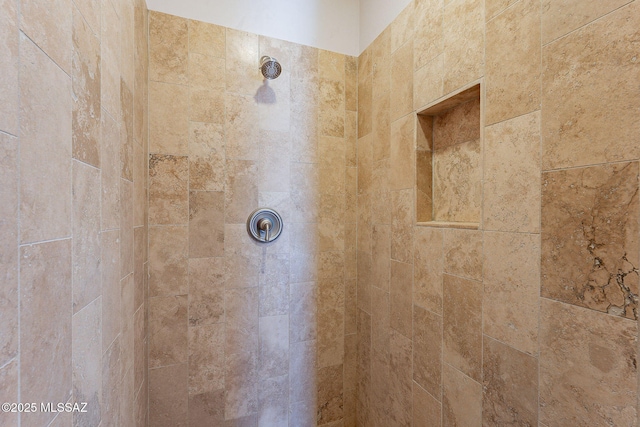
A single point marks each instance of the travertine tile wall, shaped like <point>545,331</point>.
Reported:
<point>532,318</point>
<point>73,119</point>
<point>243,333</point>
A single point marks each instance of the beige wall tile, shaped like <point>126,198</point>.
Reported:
<point>381,256</point>
<point>140,185</point>
<point>206,291</point>
<point>140,257</point>
<point>168,48</point>
<point>330,394</point>
<point>332,107</point>
<point>513,75</point>
<point>365,114</point>
<point>330,329</point>
<point>111,295</point>
<point>402,27</point>
<point>597,118</point>
<point>511,289</point>
<point>241,195</point>
<point>126,14</point>
<point>351,83</point>
<point>111,378</point>
<point>401,102</point>
<point>351,138</point>
<point>400,384</point>
<point>273,398</point>
<point>428,261</point>
<point>45,115</point>
<point>206,156</point>
<point>85,77</point>
<point>86,352</point>
<point>110,172</point>
<point>428,39</point>
<point>427,351</point>
<point>9,374</point>
<point>110,57</point>
<point>168,189</point>
<point>206,358</point>
<point>402,172</point>
<point>45,327</point>
<point>207,39</point>
<point>207,408</point>
<point>207,105</point>
<point>9,297</point>
<point>510,385</point>
<point>463,25</point>
<point>381,127</point>
<point>512,175</point>
<point>168,338</point>
<point>562,17</point>
<point>86,232</point>
<point>457,125</point>
<point>428,82</point>
<point>126,228</point>
<point>461,399</point>
<point>381,65</point>
<point>126,131</point>
<point>9,67</point>
<point>273,163</point>
<point>242,334</point>
<point>588,242</point>
<point>427,411</point>
<point>241,385</point>
<point>205,72</point>
<point>168,118</point>
<point>457,183</point>
<point>600,385</point>
<point>206,224</point>
<point>462,325</point>
<point>48,24</point>
<point>400,297</point>
<point>240,127</point>
<point>243,75</point>
<point>168,260</point>
<point>402,219</point>
<point>381,203</point>
<point>463,253</point>
<point>274,346</point>
<point>242,258</point>
<point>304,307</point>
<point>168,396</point>
<point>495,7</point>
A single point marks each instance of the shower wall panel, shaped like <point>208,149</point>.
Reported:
<point>243,333</point>
<point>531,319</point>
<point>73,143</point>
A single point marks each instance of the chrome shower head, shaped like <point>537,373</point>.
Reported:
<point>270,67</point>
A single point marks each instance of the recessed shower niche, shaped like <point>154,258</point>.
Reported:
<point>449,162</point>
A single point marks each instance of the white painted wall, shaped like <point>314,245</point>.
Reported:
<point>325,24</point>
<point>344,26</point>
<point>375,16</point>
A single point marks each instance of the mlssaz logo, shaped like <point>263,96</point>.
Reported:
<point>63,407</point>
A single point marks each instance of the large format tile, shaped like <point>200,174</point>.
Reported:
<point>401,102</point>
<point>427,350</point>
<point>510,386</point>
<point>168,119</point>
<point>590,245</point>
<point>168,338</point>
<point>463,26</point>
<point>168,396</point>
<point>207,39</point>
<point>428,261</point>
<point>168,48</point>
<point>206,224</point>
<point>206,358</point>
<point>9,67</point>
<point>85,76</point>
<point>206,156</point>
<point>513,75</point>
<point>599,386</point>
<point>579,109</point>
<point>428,39</point>
<point>427,411</point>
<point>402,158</point>
<point>512,288</point>
<point>9,298</point>
<point>461,399</point>
<point>48,24</point>
<point>463,253</point>
<point>168,260</point>
<point>564,16</point>
<point>45,325</point>
<point>462,325</point>
<point>45,121</point>
<point>400,297</point>
<point>512,175</point>
<point>168,189</point>
<point>206,291</point>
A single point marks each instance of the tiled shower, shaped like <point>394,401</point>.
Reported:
<point>460,207</point>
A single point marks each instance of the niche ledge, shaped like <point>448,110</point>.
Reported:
<point>448,162</point>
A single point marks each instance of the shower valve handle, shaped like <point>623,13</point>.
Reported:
<point>265,225</point>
